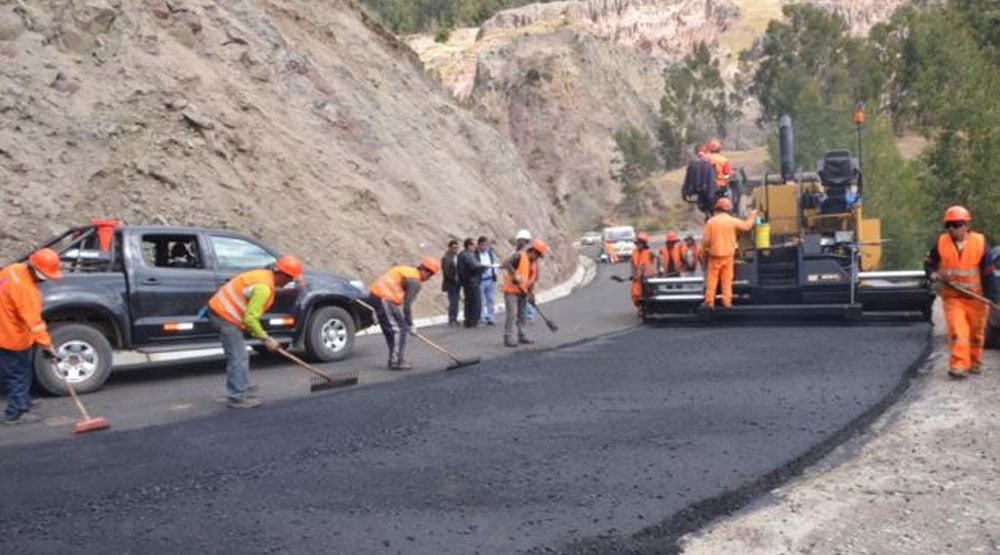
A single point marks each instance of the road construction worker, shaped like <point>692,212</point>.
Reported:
<point>22,327</point>
<point>690,255</point>
<point>699,182</point>
<point>723,170</point>
<point>521,241</point>
<point>643,267</point>
<point>962,258</point>
<point>520,275</point>
<point>392,296</point>
<point>718,249</point>
<point>672,256</point>
<point>235,309</point>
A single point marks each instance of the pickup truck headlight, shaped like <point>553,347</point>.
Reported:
<point>358,284</point>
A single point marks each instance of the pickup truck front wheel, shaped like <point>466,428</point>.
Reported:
<point>330,335</point>
<point>85,359</point>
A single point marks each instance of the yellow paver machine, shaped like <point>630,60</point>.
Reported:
<point>812,252</point>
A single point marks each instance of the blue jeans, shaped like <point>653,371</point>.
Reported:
<point>454,296</point>
<point>237,359</point>
<point>394,326</point>
<point>488,295</point>
<point>15,368</point>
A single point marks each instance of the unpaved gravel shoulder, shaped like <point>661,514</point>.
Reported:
<point>923,479</point>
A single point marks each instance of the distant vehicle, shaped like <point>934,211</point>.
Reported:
<point>144,288</point>
<point>591,238</point>
<point>621,241</point>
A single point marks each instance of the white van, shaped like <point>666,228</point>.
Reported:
<point>621,240</point>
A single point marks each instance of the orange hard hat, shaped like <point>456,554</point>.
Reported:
<point>541,247</point>
<point>289,265</point>
<point>724,204</point>
<point>671,236</point>
<point>46,261</point>
<point>643,237</point>
<point>957,214</point>
<point>714,145</point>
<point>430,264</point>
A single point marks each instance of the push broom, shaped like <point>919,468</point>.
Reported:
<point>456,361</point>
<point>324,381</point>
<point>87,423</point>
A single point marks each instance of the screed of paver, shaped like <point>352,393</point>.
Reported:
<point>574,449</point>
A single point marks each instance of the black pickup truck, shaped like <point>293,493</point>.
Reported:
<point>143,288</point>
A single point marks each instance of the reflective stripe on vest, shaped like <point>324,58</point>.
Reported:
<point>525,273</point>
<point>230,302</point>
<point>389,286</point>
<point>961,268</point>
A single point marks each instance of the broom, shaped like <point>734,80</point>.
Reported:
<point>324,381</point>
<point>87,423</point>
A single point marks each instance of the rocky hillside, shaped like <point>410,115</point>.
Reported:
<point>296,121</point>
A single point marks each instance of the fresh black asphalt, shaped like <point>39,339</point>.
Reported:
<point>595,447</point>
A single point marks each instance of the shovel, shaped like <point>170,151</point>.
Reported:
<point>87,423</point>
<point>324,381</point>
<point>456,361</point>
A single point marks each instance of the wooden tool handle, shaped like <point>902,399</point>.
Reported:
<point>436,346</point>
<point>72,392</point>
<point>304,364</point>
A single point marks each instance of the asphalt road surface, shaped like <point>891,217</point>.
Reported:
<point>613,444</point>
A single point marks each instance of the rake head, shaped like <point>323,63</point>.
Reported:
<point>462,362</point>
<point>342,379</point>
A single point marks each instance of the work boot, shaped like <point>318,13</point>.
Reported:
<point>976,369</point>
<point>244,403</point>
<point>958,373</point>
<point>509,342</point>
<point>524,341</point>
<point>391,365</point>
<point>23,418</point>
<point>253,391</point>
<point>402,365</point>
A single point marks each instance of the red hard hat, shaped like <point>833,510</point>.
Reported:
<point>289,265</point>
<point>430,264</point>
<point>46,261</point>
<point>957,214</point>
<point>671,236</point>
<point>724,204</point>
<point>643,237</point>
<point>541,247</point>
<point>714,145</point>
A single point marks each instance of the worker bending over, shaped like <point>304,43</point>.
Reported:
<point>235,309</point>
<point>643,267</point>
<point>672,256</point>
<point>520,275</point>
<point>22,327</point>
<point>962,258</point>
<point>392,296</point>
<point>718,247</point>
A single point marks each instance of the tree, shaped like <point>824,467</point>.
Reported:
<point>635,159</point>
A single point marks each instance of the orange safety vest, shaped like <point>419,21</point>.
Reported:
<point>962,268</point>
<point>21,323</point>
<point>674,255</point>
<point>720,163</point>
<point>642,262</point>
<point>389,286</point>
<point>527,273</point>
<point>612,255</point>
<point>230,302</point>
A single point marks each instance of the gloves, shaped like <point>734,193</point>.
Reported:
<point>271,344</point>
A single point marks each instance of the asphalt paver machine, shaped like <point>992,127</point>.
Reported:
<point>812,252</point>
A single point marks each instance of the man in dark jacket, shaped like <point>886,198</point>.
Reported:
<point>469,275</point>
<point>700,183</point>
<point>449,280</point>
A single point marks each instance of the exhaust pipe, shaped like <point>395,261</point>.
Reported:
<point>787,144</point>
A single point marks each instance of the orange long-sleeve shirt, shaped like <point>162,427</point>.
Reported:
<point>721,231</point>
<point>21,323</point>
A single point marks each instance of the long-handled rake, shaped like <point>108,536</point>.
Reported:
<point>87,423</point>
<point>456,361</point>
<point>324,381</point>
<point>973,294</point>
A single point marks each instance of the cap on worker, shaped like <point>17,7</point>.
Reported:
<point>671,236</point>
<point>430,264</point>
<point>46,262</point>
<point>957,214</point>
<point>714,145</point>
<point>724,204</point>
<point>523,234</point>
<point>541,247</point>
<point>289,265</point>
<point>642,237</point>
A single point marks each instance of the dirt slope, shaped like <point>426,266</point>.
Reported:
<point>292,120</point>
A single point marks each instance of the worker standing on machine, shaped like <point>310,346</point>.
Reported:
<point>961,260</point>
<point>643,266</point>
<point>690,255</point>
<point>723,170</point>
<point>672,256</point>
<point>718,248</point>
<point>392,296</point>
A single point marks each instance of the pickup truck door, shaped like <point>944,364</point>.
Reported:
<point>235,255</point>
<point>171,281</point>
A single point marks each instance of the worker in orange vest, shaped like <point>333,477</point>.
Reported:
<point>236,308</point>
<point>22,327</point>
<point>609,250</point>
<point>723,170</point>
<point>643,267</point>
<point>520,276</point>
<point>962,257</point>
<point>672,256</point>
<point>718,249</point>
<point>392,295</point>
<point>690,255</point>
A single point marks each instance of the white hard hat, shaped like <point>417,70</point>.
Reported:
<point>523,234</point>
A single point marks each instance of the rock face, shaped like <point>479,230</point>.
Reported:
<point>295,121</point>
